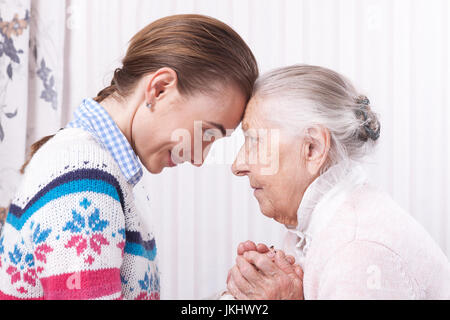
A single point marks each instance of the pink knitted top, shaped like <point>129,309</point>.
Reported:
<point>354,242</point>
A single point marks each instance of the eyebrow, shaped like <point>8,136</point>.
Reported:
<point>218,126</point>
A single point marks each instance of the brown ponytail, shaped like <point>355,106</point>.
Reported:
<point>203,51</point>
<point>3,212</point>
<point>106,92</point>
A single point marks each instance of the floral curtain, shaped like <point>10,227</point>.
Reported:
<point>31,82</point>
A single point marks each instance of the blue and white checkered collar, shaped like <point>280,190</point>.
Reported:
<point>92,117</point>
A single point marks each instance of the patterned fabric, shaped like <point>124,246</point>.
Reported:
<point>92,117</point>
<point>32,60</point>
<point>73,231</point>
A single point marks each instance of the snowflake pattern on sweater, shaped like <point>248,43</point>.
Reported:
<point>73,231</point>
<point>86,232</point>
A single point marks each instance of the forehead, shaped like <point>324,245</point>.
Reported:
<point>225,108</point>
<point>255,114</point>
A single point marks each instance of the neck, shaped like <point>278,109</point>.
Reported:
<point>321,186</point>
<point>287,220</point>
<point>291,220</point>
<point>122,111</point>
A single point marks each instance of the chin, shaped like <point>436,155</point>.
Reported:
<point>157,171</point>
<point>269,211</point>
<point>153,169</point>
<point>280,221</point>
<point>266,210</point>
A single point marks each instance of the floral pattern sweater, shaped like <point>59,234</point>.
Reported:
<point>73,231</point>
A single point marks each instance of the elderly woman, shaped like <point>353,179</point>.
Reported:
<point>351,239</point>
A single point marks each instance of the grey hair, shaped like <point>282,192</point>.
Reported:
<point>306,96</point>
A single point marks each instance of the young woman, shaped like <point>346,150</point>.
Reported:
<point>73,231</point>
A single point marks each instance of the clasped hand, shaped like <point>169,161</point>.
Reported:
<point>261,273</point>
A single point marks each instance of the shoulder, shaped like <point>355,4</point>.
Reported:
<point>72,154</point>
<point>371,233</point>
<point>370,214</point>
<point>351,226</point>
<point>72,148</point>
<point>379,219</point>
<point>70,171</point>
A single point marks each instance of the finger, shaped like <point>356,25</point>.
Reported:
<point>246,246</point>
<point>290,259</point>
<point>298,271</point>
<point>280,253</point>
<point>235,292</point>
<point>240,249</point>
<point>249,245</point>
<point>262,248</point>
<point>241,283</point>
<point>231,288</point>
<point>262,262</point>
<point>248,271</point>
<point>283,263</point>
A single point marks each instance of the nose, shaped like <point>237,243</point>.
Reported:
<point>240,167</point>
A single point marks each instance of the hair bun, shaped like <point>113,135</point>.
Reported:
<point>362,100</point>
<point>370,126</point>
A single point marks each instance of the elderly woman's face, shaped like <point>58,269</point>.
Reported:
<point>274,161</point>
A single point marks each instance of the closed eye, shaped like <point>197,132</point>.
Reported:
<point>210,133</point>
<point>218,126</point>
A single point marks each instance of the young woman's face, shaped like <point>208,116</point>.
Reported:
<point>184,127</point>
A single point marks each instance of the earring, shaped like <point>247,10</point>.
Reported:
<point>149,105</point>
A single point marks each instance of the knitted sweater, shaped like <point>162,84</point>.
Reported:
<point>73,231</point>
<point>354,242</point>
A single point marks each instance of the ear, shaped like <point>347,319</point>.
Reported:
<point>316,149</point>
<point>160,84</point>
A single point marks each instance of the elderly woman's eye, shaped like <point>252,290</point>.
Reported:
<point>253,143</point>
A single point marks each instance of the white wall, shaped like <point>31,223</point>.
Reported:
<point>396,51</point>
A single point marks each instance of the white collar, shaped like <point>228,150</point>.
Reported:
<point>329,188</point>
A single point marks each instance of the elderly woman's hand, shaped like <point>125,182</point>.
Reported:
<point>261,248</point>
<point>257,277</point>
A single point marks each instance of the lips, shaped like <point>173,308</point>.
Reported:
<point>253,186</point>
<point>257,192</point>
